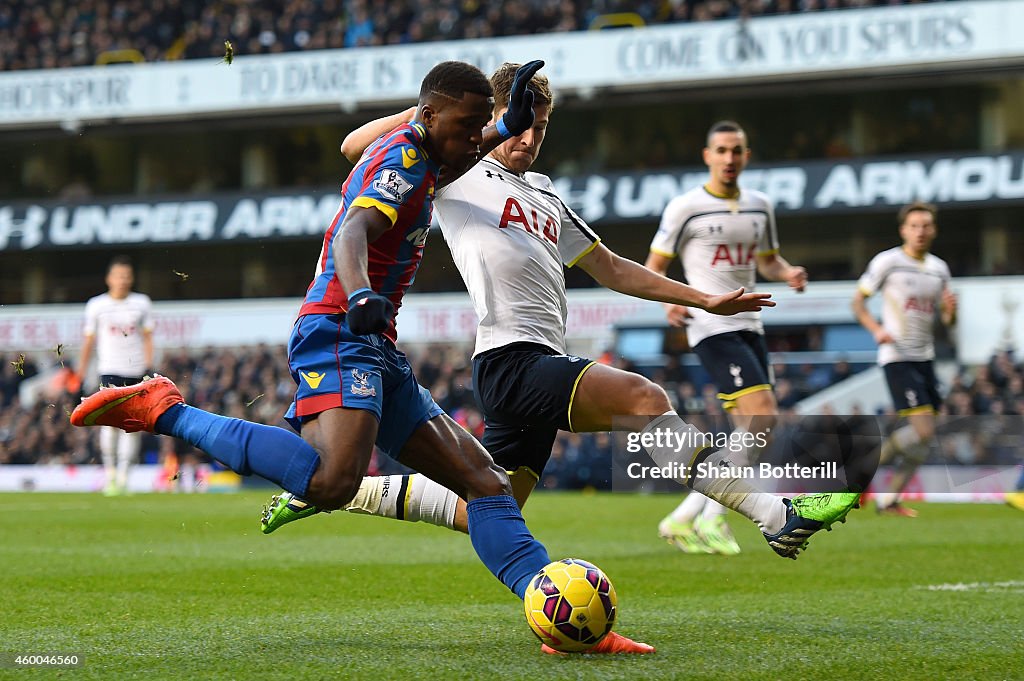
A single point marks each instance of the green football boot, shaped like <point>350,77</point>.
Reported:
<point>716,534</point>
<point>805,515</point>
<point>283,509</point>
<point>683,536</point>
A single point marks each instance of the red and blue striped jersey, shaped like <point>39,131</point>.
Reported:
<point>397,177</point>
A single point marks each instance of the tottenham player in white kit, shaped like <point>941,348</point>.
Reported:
<point>511,237</point>
<point>119,328</point>
<point>724,236</point>
<point>914,284</point>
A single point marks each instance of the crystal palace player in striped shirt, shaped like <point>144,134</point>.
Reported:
<point>355,388</point>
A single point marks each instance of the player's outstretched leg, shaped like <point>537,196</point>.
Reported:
<point>805,515</point>
<point>412,498</point>
<point>787,525</point>
<point>156,405</point>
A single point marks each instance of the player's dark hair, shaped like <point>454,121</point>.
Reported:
<point>501,81</point>
<point>918,206</point>
<point>453,79</point>
<point>119,260</point>
<point>725,126</point>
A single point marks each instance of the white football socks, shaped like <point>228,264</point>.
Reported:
<point>108,452</point>
<point>765,510</point>
<point>687,511</point>
<point>128,446</point>
<point>414,498</point>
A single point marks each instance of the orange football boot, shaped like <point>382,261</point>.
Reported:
<point>611,644</point>
<point>131,408</point>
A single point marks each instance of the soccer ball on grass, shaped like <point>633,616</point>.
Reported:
<point>570,605</point>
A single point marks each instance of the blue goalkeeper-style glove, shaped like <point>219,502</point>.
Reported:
<point>368,312</point>
<point>519,116</point>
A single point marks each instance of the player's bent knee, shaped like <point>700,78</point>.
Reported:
<point>334,492</point>
<point>648,398</point>
<point>491,481</point>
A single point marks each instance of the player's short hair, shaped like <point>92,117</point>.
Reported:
<point>119,260</point>
<point>454,79</point>
<point>501,81</point>
<point>725,126</point>
<point>906,210</point>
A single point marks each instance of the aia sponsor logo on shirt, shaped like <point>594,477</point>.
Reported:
<point>923,305</point>
<point>734,254</point>
<point>514,214</point>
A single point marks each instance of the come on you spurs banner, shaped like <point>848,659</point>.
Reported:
<point>923,38</point>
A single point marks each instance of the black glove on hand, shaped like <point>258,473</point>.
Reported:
<point>519,116</point>
<point>368,312</point>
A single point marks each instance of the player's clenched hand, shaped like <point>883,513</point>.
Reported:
<point>796,277</point>
<point>519,116</point>
<point>368,312</point>
<point>738,301</point>
<point>678,315</point>
<point>882,336</point>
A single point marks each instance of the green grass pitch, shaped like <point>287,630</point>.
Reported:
<point>185,586</point>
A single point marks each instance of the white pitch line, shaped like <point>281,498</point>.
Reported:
<point>1012,586</point>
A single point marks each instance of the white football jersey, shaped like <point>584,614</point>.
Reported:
<point>511,236</point>
<point>118,326</point>
<point>719,240</point>
<point>911,293</point>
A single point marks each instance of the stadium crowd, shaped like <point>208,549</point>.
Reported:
<point>61,33</point>
<point>253,383</point>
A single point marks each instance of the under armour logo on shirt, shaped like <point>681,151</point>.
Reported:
<point>493,174</point>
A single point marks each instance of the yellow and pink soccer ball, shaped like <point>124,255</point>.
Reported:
<point>570,605</point>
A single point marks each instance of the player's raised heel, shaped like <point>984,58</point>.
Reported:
<point>805,515</point>
<point>283,509</point>
<point>611,644</point>
<point>131,408</point>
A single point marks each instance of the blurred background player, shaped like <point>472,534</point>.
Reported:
<point>724,236</point>
<point>914,284</point>
<point>119,328</point>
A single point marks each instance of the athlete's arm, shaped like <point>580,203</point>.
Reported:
<point>948,307</point>
<point>678,315</point>
<point>355,142</point>
<point>625,276</point>
<point>361,227</point>
<point>867,320</point>
<point>775,268</point>
<point>147,348</point>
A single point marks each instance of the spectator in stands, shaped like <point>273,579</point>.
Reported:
<point>64,33</point>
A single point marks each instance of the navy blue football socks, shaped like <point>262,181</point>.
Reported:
<point>246,448</point>
<point>503,542</point>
